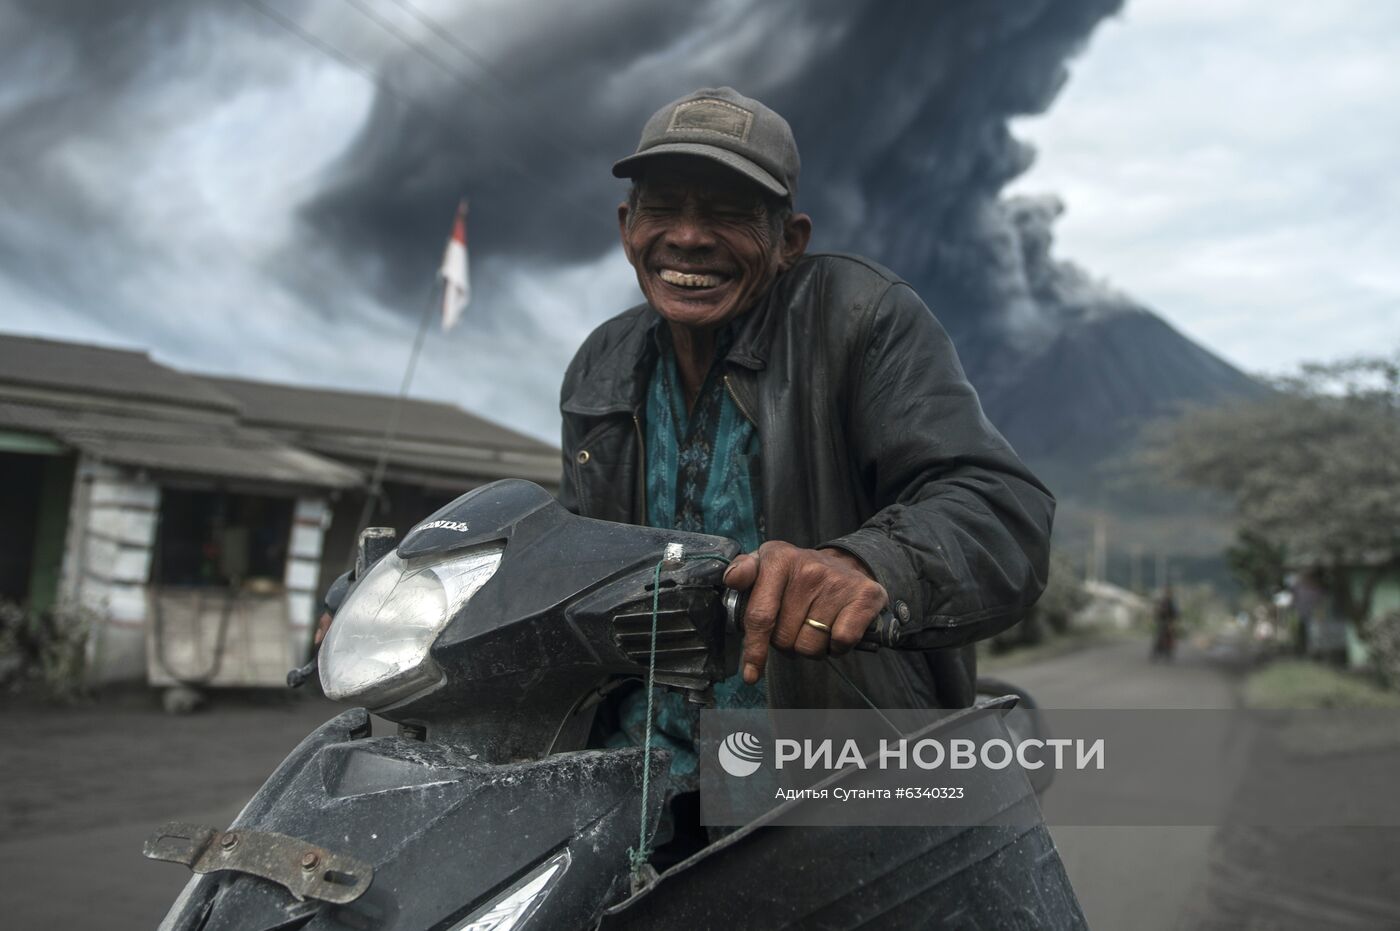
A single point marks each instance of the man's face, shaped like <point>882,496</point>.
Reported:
<point>702,243</point>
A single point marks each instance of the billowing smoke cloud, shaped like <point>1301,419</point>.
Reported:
<point>900,112</point>
<point>1062,291</point>
<point>199,179</point>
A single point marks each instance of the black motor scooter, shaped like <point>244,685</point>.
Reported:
<point>489,635</point>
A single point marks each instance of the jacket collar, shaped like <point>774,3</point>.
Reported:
<point>621,374</point>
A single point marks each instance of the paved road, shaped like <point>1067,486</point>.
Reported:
<point>83,787</point>
<point>1145,878</point>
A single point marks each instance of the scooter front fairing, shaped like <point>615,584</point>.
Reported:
<point>452,842</point>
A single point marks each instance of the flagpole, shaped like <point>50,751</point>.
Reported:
<point>391,429</point>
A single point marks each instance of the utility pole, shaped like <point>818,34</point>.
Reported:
<point>1100,549</point>
<point>450,293</point>
<point>391,428</point>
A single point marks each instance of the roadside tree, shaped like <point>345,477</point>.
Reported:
<point>1313,470</point>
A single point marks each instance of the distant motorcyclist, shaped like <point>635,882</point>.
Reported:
<point>1165,616</point>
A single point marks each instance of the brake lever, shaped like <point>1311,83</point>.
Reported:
<point>884,632</point>
<point>296,678</point>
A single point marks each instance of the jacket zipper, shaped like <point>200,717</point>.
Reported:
<point>641,467</point>
<point>729,387</point>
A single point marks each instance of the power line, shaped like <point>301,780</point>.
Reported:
<point>317,43</point>
<point>374,77</point>
<point>446,36</point>
<point>500,92</point>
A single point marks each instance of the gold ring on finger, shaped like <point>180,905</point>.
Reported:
<point>824,628</point>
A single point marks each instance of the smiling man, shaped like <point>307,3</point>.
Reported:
<point>810,407</point>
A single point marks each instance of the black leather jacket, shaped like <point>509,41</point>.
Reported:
<point>873,441</point>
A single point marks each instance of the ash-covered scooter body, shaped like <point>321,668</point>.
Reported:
<point>488,635</point>
<point>484,635</point>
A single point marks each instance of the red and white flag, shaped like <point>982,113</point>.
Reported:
<point>456,286</point>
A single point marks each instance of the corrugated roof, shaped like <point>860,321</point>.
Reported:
<point>46,363</point>
<point>123,406</point>
<point>324,410</point>
<point>215,446</point>
<point>439,465</point>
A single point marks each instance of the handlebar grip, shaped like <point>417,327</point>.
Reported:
<point>884,632</point>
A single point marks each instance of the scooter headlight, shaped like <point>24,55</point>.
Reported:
<point>376,651</point>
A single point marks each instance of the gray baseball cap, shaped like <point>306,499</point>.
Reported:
<point>722,125</point>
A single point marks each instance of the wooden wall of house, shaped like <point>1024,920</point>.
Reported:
<point>310,522</point>
<point>107,561</point>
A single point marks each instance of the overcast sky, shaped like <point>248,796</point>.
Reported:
<point>209,186</point>
<point>1235,165</point>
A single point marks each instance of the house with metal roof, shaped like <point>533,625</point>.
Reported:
<point>193,521</point>
<point>437,452</point>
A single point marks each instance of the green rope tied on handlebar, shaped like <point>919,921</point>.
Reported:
<point>640,854</point>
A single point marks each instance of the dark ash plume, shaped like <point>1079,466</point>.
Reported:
<point>900,111</point>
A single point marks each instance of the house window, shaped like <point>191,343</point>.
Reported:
<point>216,538</point>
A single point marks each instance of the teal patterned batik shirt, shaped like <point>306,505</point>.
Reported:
<point>702,476</point>
<point>702,466</point>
